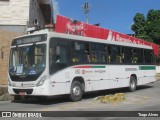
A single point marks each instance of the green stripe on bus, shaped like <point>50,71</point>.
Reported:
<point>147,67</point>
<point>98,66</point>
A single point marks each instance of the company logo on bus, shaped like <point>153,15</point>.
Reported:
<point>77,71</point>
<point>83,71</point>
<point>131,69</point>
<point>87,71</point>
<point>100,71</point>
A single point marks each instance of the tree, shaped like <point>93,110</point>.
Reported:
<point>153,15</point>
<point>149,28</point>
<point>153,25</point>
<point>139,23</point>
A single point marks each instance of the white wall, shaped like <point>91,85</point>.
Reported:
<point>14,12</point>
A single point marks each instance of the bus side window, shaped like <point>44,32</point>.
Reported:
<point>127,55</point>
<point>94,48</point>
<point>138,56</point>
<point>134,56</point>
<point>102,53</point>
<point>105,54</point>
<point>58,55</point>
<point>109,54</point>
<point>114,54</point>
<point>148,54</point>
<point>80,52</point>
<point>122,56</point>
<point>118,55</point>
<point>84,52</point>
<point>87,57</point>
<point>75,47</point>
<point>152,57</point>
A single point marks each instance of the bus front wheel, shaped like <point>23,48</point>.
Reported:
<point>132,84</point>
<point>76,91</point>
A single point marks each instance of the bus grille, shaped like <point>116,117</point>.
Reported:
<point>28,91</point>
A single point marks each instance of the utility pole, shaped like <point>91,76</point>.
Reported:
<point>86,8</point>
<point>52,12</point>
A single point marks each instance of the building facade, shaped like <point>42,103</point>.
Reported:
<point>18,15</point>
<point>15,17</point>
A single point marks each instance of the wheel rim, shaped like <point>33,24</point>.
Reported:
<point>76,91</point>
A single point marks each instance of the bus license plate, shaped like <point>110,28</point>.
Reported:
<point>22,93</point>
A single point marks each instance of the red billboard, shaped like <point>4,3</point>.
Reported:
<point>69,26</point>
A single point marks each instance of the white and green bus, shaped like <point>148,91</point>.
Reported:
<point>50,63</point>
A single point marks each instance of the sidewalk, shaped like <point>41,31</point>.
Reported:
<point>158,76</point>
<point>4,96</point>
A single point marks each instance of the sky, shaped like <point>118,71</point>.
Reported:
<point>115,15</point>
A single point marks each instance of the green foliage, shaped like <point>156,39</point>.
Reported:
<point>147,28</point>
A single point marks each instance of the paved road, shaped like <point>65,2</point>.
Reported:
<point>146,98</point>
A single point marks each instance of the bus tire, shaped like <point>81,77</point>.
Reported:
<point>132,84</point>
<point>76,91</point>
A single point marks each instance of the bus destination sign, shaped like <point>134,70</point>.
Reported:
<point>29,39</point>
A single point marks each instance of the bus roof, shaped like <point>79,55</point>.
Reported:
<point>85,39</point>
<point>81,38</point>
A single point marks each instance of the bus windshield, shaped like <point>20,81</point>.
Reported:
<point>27,60</point>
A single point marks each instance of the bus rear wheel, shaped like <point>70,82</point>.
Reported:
<point>76,91</point>
<point>132,84</point>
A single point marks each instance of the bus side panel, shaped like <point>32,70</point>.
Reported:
<point>115,73</point>
<point>146,75</point>
<point>42,90</point>
<point>120,75</point>
<point>124,75</point>
<point>140,77</point>
<point>90,78</point>
<point>102,75</point>
<point>150,76</point>
<point>58,83</point>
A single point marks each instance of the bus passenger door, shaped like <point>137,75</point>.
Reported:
<point>59,61</point>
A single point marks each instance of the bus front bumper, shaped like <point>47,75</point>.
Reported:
<point>29,91</point>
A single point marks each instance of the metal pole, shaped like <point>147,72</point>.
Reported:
<point>86,8</point>
<point>52,12</point>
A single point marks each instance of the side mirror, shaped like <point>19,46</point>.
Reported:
<point>58,50</point>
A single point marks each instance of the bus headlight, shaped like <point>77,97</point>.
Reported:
<point>41,81</point>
